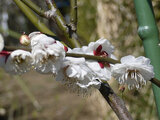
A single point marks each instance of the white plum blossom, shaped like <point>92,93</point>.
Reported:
<point>40,41</point>
<point>134,72</point>
<point>18,62</point>
<point>103,48</point>
<point>102,73</point>
<point>77,75</point>
<point>47,53</point>
<point>1,43</point>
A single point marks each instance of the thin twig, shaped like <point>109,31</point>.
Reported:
<point>73,22</point>
<point>34,7</point>
<point>73,15</point>
<point>91,57</point>
<point>57,17</point>
<point>115,102</point>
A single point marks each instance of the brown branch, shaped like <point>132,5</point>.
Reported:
<point>155,81</point>
<point>115,102</point>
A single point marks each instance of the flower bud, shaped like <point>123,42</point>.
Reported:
<point>24,40</point>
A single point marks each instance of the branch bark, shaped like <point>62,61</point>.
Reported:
<point>73,15</point>
<point>98,58</point>
<point>115,102</point>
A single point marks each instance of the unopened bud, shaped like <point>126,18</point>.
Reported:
<point>24,40</point>
<point>65,48</point>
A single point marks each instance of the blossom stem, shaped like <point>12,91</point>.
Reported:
<point>73,15</point>
<point>91,57</point>
<point>115,102</point>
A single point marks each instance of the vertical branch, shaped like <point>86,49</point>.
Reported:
<point>148,32</point>
<point>56,15</point>
<point>58,19</point>
<point>115,102</point>
<point>73,22</point>
<point>73,15</point>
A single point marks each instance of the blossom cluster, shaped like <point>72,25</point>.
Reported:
<point>48,56</point>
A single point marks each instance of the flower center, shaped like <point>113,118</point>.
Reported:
<point>99,52</point>
<point>132,73</point>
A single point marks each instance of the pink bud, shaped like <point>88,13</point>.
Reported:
<point>65,48</point>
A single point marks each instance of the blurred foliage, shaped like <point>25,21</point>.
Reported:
<point>87,20</point>
<point>112,19</point>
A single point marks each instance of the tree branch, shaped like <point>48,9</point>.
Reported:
<point>34,7</point>
<point>91,57</point>
<point>57,17</point>
<point>115,102</point>
<point>31,16</point>
<point>73,15</point>
<point>73,22</point>
<point>53,14</point>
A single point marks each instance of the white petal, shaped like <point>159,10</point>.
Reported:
<point>19,62</point>
<point>137,71</point>
<point>1,43</point>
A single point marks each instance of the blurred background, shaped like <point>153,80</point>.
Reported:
<point>33,96</point>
